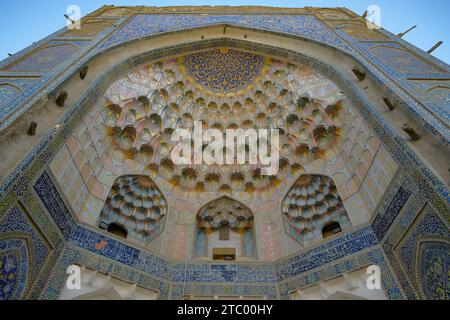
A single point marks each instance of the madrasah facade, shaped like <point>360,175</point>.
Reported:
<point>88,182</point>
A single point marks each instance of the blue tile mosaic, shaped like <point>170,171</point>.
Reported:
<point>16,224</point>
<point>104,246</point>
<point>55,205</point>
<point>13,268</point>
<point>308,267</point>
<point>434,265</point>
<point>47,58</point>
<point>143,25</point>
<point>383,222</point>
<point>329,252</point>
<point>430,226</point>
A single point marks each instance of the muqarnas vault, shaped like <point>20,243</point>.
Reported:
<point>86,118</point>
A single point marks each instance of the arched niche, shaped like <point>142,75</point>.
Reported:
<point>313,210</point>
<point>45,58</point>
<point>130,141</point>
<point>135,208</point>
<point>225,231</point>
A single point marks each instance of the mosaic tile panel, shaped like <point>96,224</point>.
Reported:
<point>331,251</point>
<point>13,268</point>
<point>224,70</point>
<point>15,224</point>
<point>436,94</point>
<point>271,242</point>
<point>150,24</point>
<point>428,226</point>
<point>354,262</point>
<point>227,275</point>
<point>210,290</point>
<point>55,205</point>
<point>47,58</point>
<point>104,246</point>
<point>434,264</point>
<point>136,203</point>
<point>177,246</point>
<point>310,205</point>
<point>401,59</point>
<point>383,222</point>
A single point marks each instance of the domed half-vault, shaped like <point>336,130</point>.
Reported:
<point>222,89</point>
<point>331,172</point>
<point>339,163</point>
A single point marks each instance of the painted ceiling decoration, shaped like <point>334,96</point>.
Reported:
<point>136,203</point>
<point>225,212</point>
<point>310,205</point>
<point>223,70</point>
<point>145,106</point>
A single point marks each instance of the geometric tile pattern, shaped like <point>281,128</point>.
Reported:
<point>150,263</point>
<point>383,221</point>
<point>46,59</point>
<point>55,205</point>
<point>400,59</point>
<point>16,225</point>
<point>306,26</point>
<point>331,251</point>
<point>147,103</point>
<point>104,246</point>
<point>13,268</point>
<point>23,253</point>
<point>430,256</point>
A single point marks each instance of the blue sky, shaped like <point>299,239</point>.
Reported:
<point>23,22</point>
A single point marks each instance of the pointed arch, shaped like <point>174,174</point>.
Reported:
<point>225,230</point>
<point>136,205</point>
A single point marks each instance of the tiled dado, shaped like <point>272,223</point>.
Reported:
<point>254,279</point>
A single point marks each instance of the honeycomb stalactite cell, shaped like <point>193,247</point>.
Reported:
<point>311,204</point>
<point>225,212</point>
<point>145,106</point>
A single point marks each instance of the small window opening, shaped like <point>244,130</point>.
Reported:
<point>118,230</point>
<point>331,229</point>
